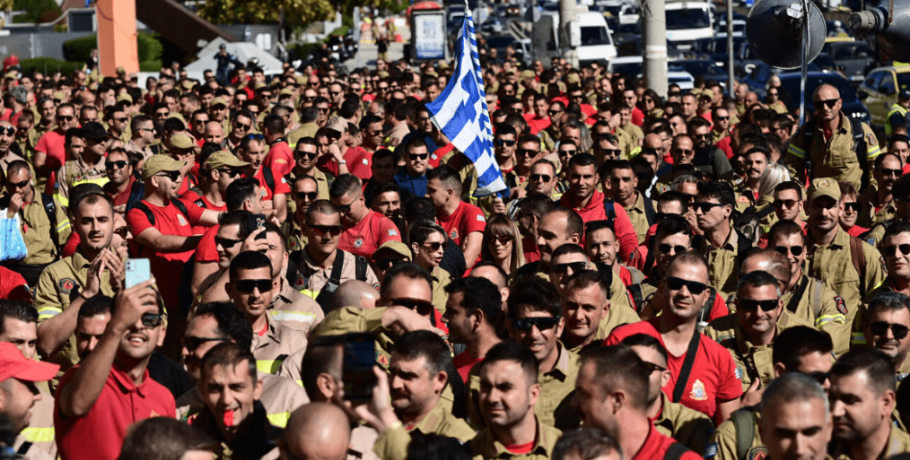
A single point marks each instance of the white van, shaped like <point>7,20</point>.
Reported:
<point>595,44</point>
<point>688,22</point>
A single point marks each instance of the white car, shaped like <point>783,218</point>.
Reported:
<point>632,66</point>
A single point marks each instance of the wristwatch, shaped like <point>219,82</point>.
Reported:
<point>342,162</point>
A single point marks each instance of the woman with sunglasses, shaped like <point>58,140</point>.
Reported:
<point>428,243</point>
<point>502,244</point>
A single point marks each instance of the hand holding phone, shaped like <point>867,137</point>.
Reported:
<point>357,366</point>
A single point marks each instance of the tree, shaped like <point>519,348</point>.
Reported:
<point>36,10</point>
<point>254,12</point>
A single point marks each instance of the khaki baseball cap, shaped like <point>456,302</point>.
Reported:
<point>182,141</point>
<point>125,97</point>
<point>301,79</point>
<point>224,158</point>
<point>337,124</point>
<point>707,93</point>
<point>527,74</point>
<point>824,186</point>
<point>392,249</point>
<point>158,163</point>
<point>219,101</point>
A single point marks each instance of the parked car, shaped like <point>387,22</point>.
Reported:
<point>879,91</point>
<point>789,92</point>
<point>853,58</point>
<point>631,66</point>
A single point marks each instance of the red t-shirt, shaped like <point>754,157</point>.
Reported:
<point>439,153</point>
<point>167,268</point>
<point>281,185</point>
<point>100,434</point>
<point>520,449</point>
<point>463,363</point>
<point>638,117</point>
<point>856,230</point>
<point>203,202</point>
<point>535,124</point>
<point>364,237</point>
<point>625,232</point>
<point>207,250</point>
<point>529,246</point>
<point>53,144</point>
<point>358,161</point>
<point>713,375</point>
<point>656,445</point>
<point>724,145</point>
<point>13,286</point>
<point>466,219</point>
<point>280,159</point>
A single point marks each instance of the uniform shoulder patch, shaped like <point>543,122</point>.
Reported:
<point>66,285</point>
<point>840,304</point>
<point>871,140</point>
<point>711,450</point>
<point>757,453</point>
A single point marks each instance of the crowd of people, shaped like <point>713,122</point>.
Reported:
<point>685,276</point>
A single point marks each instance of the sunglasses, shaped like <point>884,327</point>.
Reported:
<point>820,377</point>
<point>247,286</point>
<point>172,175</point>
<point>830,103</point>
<point>721,118</point>
<point>9,130</point>
<point>553,113</point>
<point>121,120</point>
<point>344,208</point>
<point>772,94</point>
<point>307,155</point>
<point>652,368</point>
<point>65,118</point>
<point>611,152</point>
<point>541,323</point>
<point>501,142</point>
<point>385,264</point>
<point>752,305</point>
<point>226,243</point>
<point>540,177</point>
<point>526,153</point>
<point>115,165</point>
<point>192,343</point>
<point>879,328</point>
<point>891,250</point>
<point>378,132</point>
<point>884,172</point>
<point>795,250</point>
<point>151,319</point>
<point>661,215</point>
<point>435,246</point>
<point>229,172</point>
<point>694,287</point>
<point>242,126</point>
<point>784,203</point>
<point>413,304</point>
<point>254,137</point>
<point>503,238</point>
<point>665,248</point>
<point>22,184</point>
<point>306,195</point>
<point>683,151</point>
<point>122,231</point>
<point>854,206</point>
<point>564,268</point>
<point>333,230</point>
<point>419,156</point>
<point>570,153</point>
<point>705,206</point>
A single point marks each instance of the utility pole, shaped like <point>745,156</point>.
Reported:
<point>654,56</point>
<point>731,82</point>
<point>567,16</point>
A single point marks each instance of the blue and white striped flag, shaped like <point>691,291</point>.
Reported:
<point>461,113</point>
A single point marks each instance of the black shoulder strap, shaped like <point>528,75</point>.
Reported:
<point>360,268</point>
<point>744,424</point>
<point>181,207</point>
<point>675,451</point>
<point>798,295</point>
<point>269,178</point>
<point>649,210</point>
<point>637,297</point>
<point>50,208</point>
<point>333,283</point>
<point>683,379</point>
<point>743,245</point>
<point>145,210</point>
<point>609,212</point>
<point>862,149</point>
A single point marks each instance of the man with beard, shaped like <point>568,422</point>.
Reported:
<point>7,139</point>
<point>886,326</point>
<point>102,393</point>
<point>222,322</point>
<point>65,285</point>
<point>708,158</point>
<point>862,399</point>
<point>623,190</point>
<point>878,202</point>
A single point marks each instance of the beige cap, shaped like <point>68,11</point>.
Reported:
<point>391,249</point>
<point>182,141</point>
<point>527,74</point>
<point>177,115</point>
<point>443,65</point>
<point>707,93</point>
<point>301,79</point>
<point>824,186</point>
<point>125,97</point>
<point>224,158</point>
<point>574,79</point>
<point>158,163</point>
<point>337,124</point>
<point>219,101</point>
<point>121,69</point>
<point>58,95</point>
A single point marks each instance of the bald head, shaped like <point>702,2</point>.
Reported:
<point>653,141</point>
<point>317,430</point>
<point>767,260</point>
<point>354,293</point>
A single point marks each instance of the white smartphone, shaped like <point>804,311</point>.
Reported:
<point>137,271</point>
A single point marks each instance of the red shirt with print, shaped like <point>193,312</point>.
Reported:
<point>281,185</point>
<point>358,161</point>
<point>712,378</point>
<point>364,237</point>
<point>191,197</point>
<point>466,219</point>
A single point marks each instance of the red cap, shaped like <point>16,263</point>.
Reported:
<point>13,364</point>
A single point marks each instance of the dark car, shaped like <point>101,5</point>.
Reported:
<point>853,59</point>
<point>789,93</point>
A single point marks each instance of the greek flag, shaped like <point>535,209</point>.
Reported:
<point>461,113</point>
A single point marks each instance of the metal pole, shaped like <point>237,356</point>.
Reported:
<point>805,63</point>
<point>654,21</point>
<point>731,83</point>
<point>567,15</point>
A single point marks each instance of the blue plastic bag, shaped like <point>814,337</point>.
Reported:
<point>12,245</point>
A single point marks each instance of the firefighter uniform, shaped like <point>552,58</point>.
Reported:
<point>834,159</point>
<point>723,443</point>
<point>869,216</point>
<point>616,316</point>
<point>486,447</point>
<point>722,262</point>
<point>280,397</point>
<point>77,172</point>
<point>274,344</point>
<point>441,279</point>
<point>294,309</point>
<point>393,443</point>
<point>898,443</point>
<point>639,217</point>
<point>819,305</point>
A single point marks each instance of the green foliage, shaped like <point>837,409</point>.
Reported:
<point>150,66</point>
<point>296,12</point>
<point>34,9</point>
<point>80,49</point>
<point>50,64</point>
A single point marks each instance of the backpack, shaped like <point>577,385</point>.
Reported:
<point>298,278</point>
<point>859,147</point>
<point>749,223</point>
<point>151,217</point>
<point>269,178</point>
<point>744,425</point>
<point>859,263</point>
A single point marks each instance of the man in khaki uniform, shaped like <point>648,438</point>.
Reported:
<point>589,314</point>
<point>71,281</point>
<point>862,399</point>
<point>885,328</point>
<point>143,135</point>
<point>251,287</point>
<point>798,349</point>
<point>690,427</point>
<point>217,322</point>
<point>901,201</point>
<point>804,296</point>
<point>415,386</point>
<point>721,244</point>
<point>831,250</point>
<point>749,333</point>
<point>89,168</point>
<point>624,189</point>
<point>43,236</point>
<point>320,261</point>
<point>288,307</point>
<point>878,202</point>
<point>7,138</point>
<point>513,368</point>
<point>831,156</point>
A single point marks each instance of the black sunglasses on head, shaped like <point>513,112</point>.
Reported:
<point>542,323</point>
<point>247,286</point>
<point>694,287</point>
